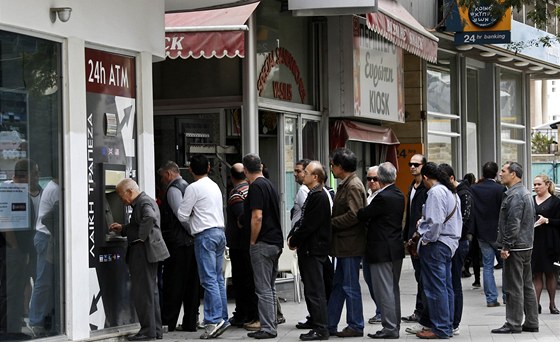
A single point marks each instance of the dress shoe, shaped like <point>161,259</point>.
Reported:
<point>140,337</point>
<point>383,335</point>
<point>554,310</point>
<point>237,322</point>
<point>476,284</point>
<point>159,337</point>
<point>349,332</point>
<point>307,325</point>
<point>492,305</point>
<point>428,335</point>
<point>261,335</point>
<point>505,329</point>
<point>375,319</point>
<point>313,335</point>
<point>529,329</point>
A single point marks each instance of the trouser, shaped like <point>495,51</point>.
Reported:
<point>246,301</point>
<point>264,259</point>
<point>312,268</point>
<point>519,291</point>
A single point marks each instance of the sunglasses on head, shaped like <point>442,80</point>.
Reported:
<point>414,164</point>
<point>372,179</point>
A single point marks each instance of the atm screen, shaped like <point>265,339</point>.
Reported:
<point>113,177</point>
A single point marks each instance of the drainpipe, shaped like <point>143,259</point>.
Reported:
<point>249,118</point>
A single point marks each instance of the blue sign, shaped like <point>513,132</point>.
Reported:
<point>483,37</point>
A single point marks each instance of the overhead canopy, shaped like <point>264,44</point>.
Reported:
<point>394,23</point>
<point>344,130</point>
<point>212,33</point>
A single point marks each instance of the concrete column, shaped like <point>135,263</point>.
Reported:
<point>75,180</point>
<point>250,117</point>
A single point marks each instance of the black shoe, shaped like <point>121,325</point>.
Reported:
<point>261,335</point>
<point>498,266</point>
<point>139,337</point>
<point>305,326</point>
<point>349,332</point>
<point>383,335</point>
<point>466,274</point>
<point>529,329</point>
<point>280,320</point>
<point>476,284</point>
<point>505,329</point>
<point>553,310</point>
<point>539,309</point>
<point>237,322</point>
<point>313,335</point>
<point>493,305</point>
<point>159,337</point>
<point>412,318</point>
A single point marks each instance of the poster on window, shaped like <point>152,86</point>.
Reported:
<point>111,156</point>
<point>378,75</point>
<point>14,204</point>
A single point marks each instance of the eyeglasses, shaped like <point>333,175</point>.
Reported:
<point>372,179</point>
<point>414,164</point>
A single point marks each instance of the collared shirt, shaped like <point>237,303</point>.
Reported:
<point>301,196</point>
<point>202,206</point>
<point>439,204</point>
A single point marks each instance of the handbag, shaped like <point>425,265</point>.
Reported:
<point>412,244</point>
<point>156,250</point>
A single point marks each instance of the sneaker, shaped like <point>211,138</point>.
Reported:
<point>34,330</point>
<point>375,319</point>
<point>280,320</point>
<point>415,329</point>
<point>456,331</point>
<point>252,326</point>
<point>222,329</point>
<point>412,318</point>
<point>211,329</point>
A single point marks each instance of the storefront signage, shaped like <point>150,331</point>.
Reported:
<point>14,206</point>
<point>477,25</point>
<point>378,76</point>
<point>281,90</point>
<point>110,74</point>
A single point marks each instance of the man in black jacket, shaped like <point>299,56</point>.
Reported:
<point>487,196</point>
<point>384,249</point>
<point>180,273</point>
<point>311,236</point>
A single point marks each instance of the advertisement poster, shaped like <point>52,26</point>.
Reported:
<point>111,150</point>
<point>14,206</point>
<point>378,75</point>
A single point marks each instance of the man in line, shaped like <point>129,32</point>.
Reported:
<point>180,274</point>
<point>515,236</point>
<point>238,236</point>
<point>202,209</point>
<point>145,217</point>
<point>417,194</point>
<point>262,214</point>
<point>487,196</point>
<point>385,250</point>
<point>373,186</point>
<point>347,246</point>
<point>311,237</point>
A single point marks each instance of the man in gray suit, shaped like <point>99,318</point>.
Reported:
<point>145,217</point>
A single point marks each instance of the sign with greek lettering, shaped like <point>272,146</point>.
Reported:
<point>378,76</point>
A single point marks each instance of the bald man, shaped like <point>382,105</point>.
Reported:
<point>237,236</point>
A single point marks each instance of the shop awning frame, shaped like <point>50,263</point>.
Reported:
<point>342,131</point>
<point>394,23</point>
<point>211,33</point>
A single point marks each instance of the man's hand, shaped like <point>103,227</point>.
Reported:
<point>291,248</point>
<point>504,254</point>
<point>116,227</point>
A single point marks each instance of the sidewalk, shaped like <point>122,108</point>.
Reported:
<point>477,321</point>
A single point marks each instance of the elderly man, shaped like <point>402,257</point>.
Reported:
<point>515,236</point>
<point>202,208</point>
<point>311,237</point>
<point>347,246</point>
<point>143,273</point>
<point>384,248</point>
<point>180,274</point>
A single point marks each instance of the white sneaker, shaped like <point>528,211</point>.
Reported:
<point>456,331</point>
<point>415,329</point>
<point>211,330</point>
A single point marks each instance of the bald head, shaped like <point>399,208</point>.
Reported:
<point>237,174</point>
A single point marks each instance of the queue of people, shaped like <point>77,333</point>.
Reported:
<point>337,235</point>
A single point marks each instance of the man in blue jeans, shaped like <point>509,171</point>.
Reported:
<point>262,214</point>
<point>202,209</point>
<point>487,196</point>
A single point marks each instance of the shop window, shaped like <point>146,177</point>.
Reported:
<point>443,123</point>
<point>31,230</point>
<point>512,117</point>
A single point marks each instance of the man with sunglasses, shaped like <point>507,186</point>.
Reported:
<point>417,194</point>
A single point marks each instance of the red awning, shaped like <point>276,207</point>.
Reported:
<point>211,33</point>
<point>395,24</point>
<point>344,130</point>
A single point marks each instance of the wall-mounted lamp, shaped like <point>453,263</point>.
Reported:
<point>63,14</point>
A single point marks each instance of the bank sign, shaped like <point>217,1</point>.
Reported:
<point>378,76</point>
<point>477,24</point>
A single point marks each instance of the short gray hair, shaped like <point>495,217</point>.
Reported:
<point>373,168</point>
<point>387,173</point>
<point>128,184</point>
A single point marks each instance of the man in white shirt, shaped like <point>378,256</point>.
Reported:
<point>202,209</point>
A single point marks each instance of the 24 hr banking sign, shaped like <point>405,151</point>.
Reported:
<point>378,76</point>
